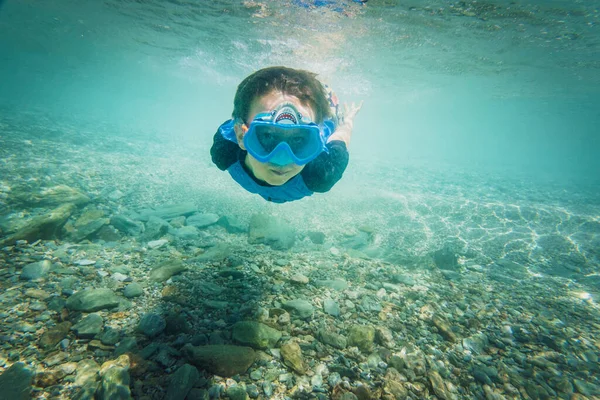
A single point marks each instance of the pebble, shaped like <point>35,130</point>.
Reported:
<point>152,324</point>
<point>331,307</point>
<point>133,290</point>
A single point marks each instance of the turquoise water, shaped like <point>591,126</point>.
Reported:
<point>474,170</point>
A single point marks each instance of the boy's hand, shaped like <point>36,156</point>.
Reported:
<point>345,123</point>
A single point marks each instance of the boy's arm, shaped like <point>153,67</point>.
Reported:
<point>324,171</point>
<point>343,131</point>
<point>224,153</point>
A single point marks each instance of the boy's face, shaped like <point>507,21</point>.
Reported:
<point>271,173</point>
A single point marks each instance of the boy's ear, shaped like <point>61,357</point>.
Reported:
<point>240,130</point>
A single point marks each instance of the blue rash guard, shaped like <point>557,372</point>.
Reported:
<point>319,175</point>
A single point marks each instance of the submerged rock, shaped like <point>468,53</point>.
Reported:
<point>223,360</point>
<point>127,225</point>
<point>169,211</point>
<point>265,229</point>
<point>42,227</point>
<point>54,196</point>
<point>182,382</point>
<point>15,382</point>
<point>255,334</point>
<point>90,300</point>
<point>202,220</point>
<point>166,270</point>
<point>292,357</point>
<point>36,270</point>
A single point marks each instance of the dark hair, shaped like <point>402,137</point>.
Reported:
<point>294,82</point>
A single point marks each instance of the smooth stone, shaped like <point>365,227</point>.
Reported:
<point>476,343</point>
<point>128,344</point>
<point>335,284</point>
<point>84,262</point>
<point>115,380</point>
<point>126,225</point>
<point>361,336</point>
<point>15,382</point>
<point>299,308</point>
<point>255,334</point>
<point>187,233</point>
<point>89,326</point>
<point>119,277</point>
<point>202,220</point>
<point>154,229</point>
<point>586,388</point>
<point>236,392</point>
<point>133,290</point>
<point>232,224</point>
<point>109,336</point>
<point>41,227</point>
<point>36,270</point>
<point>90,300</point>
<point>58,195</point>
<point>152,324</point>
<point>155,244</point>
<point>169,211</point>
<point>182,382</point>
<point>331,307</point>
<point>54,335</point>
<point>271,231</point>
<point>222,360</point>
<point>292,357</point>
<point>166,270</point>
<point>332,339</point>
<point>404,279</point>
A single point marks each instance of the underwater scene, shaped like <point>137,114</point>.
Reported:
<point>154,246</point>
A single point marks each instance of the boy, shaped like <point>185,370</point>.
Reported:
<point>285,140</point>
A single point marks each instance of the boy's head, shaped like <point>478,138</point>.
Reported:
<point>279,88</point>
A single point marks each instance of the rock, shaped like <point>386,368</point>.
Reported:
<point>89,326</point>
<point>15,382</point>
<point>42,227</point>
<point>90,300</point>
<point>586,388</point>
<point>202,220</point>
<point>299,308</point>
<point>384,337</point>
<point>271,231</point>
<point>445,258</point>
<point>53,196</point>
<point>255,334</point>
<point>232,224</point>
<point>187,233</point>
<point>115,380</point>
<point>335,284</point>
<point>476,343</point>
<point>236,392</point>
<point>54,335</point>
<point>316,237</point>
<point>36,270</point>
<point>152,324</point>
<point>169,211</point>
<point>154,229</point>
<point>404,279</point>
<point>87,372</point>
<point>292,357</point>
<point>127,225</point>
<point>110,336</point>
<point>128,344</point>
<point>88,223</point>
<point>133,290</point>
<point>331,307</point>
<point>299,278</point>
<point>223,360</point>
<point>156,244</point>
<point>166,270</point>
<point>332,339</point>
<point>361,336</point>
<point>439,387</point>
<point>444,328</point>
<point>182,382</point>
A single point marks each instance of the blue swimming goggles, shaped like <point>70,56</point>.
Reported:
<point>284,136</point>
